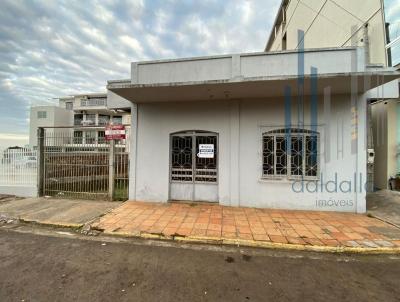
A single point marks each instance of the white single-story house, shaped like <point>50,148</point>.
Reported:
<point>281,129</point>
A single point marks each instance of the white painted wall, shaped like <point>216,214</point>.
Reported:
<point>236,67</point>
<point>56,116</point>
<point>384,122</point>
<point>240,125</point>
<point>114,101</point>
<point>21,191</point>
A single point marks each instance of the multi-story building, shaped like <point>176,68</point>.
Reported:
<point>87,114</point>
<point>47,116</point>
<point>371,24</point>
<point>339,23</point>
<point>92,110</point>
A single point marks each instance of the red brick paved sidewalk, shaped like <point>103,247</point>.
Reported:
<point>254,226</point>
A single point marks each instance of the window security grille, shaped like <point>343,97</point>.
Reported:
<point>41,114</point>
<point>290,153</point>
<point>69,105</point>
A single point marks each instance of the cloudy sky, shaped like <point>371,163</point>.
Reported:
<point>56,48</point>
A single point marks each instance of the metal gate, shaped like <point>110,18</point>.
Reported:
<point>194,174</point>
<point>79,163</point>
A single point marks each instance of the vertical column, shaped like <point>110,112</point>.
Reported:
<point>236,73</point>
<point>397,124</point>
<point>133,151</point>
<point>40,161</point>
<point>111,170</point>
<point>134,73</point>
<point>234,181</point>
<point>327,118</point>
<point>300,79</point>
<point>361,154</point>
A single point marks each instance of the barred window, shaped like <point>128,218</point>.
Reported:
<point>69,105</point>
<point>290,153</point>
<point>41,114</point>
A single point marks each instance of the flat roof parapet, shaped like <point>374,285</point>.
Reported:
<point>247,65</point>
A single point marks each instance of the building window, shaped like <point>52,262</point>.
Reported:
<point>101,137</point>
<point>69,105</point>
<point>103,119</point>
<point>90,137</point>
<point>90,119</point>
<point>117,120</point>
<point>41,114</point>
<point>78,137</point>
<point>78,118</point>
<point>290,153</point>
<point>394,54</point>
<point>392,24</point>
<point>284,42</point>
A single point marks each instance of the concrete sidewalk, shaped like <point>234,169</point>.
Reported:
<point>60,212</point>
<point>307,230</point>
<point>385,205</point>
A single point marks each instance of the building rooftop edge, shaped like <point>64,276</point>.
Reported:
<point>244,54</point>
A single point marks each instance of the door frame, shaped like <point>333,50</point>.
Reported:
<point>193,134</point>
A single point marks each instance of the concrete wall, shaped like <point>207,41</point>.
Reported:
<point>240,125</point>
<point>392,137</point>
<point>21,191</point>
<point>385,117</point>
<point>398,137</point>
<point>246,65</point>
<point>380,135</point>
<point>329,24</point>
<point>114,101</point>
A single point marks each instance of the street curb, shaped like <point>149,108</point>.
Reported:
<point>259,244</point>
<point>226,241</point>
<point>52,223</point>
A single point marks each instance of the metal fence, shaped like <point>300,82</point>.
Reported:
<point>77,162</point>
<point>18,167</point>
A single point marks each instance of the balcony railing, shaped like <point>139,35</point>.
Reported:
<point>94,102</point>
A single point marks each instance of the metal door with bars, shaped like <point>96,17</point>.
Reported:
<point>194,166</point>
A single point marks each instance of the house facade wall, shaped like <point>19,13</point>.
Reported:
<point>240,124</point>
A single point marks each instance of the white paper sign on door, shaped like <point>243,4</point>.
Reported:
<point>206,151</point>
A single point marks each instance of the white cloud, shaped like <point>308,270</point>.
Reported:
<point>103,14</point>
<point>133,44</point>
<point>57,48</point>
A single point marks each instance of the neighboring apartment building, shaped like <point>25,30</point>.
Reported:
<point>371,24</point>
<point>92,110</point>
<point>85,112</point>
<point>47,116</point>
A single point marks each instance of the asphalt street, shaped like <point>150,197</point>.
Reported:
<point>50,265</point>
